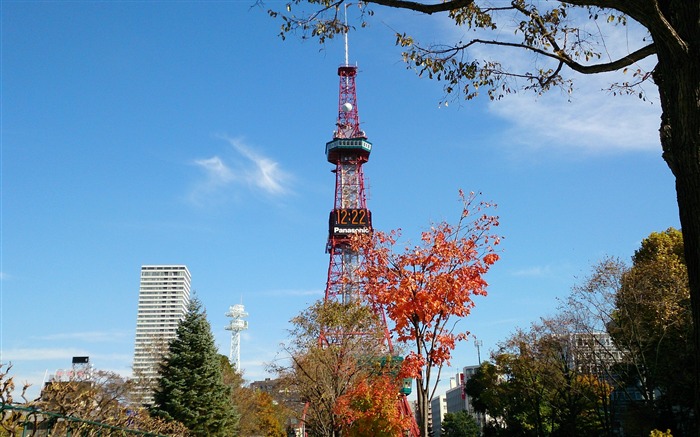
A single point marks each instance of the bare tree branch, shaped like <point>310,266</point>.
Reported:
<point>559,56</point>
<point>624,61</point>
<point>423,7</point>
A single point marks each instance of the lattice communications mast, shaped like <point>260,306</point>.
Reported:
<point>348,151</point>
<point>237,314</point>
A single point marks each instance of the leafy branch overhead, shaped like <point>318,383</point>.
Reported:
<point>552,35</point>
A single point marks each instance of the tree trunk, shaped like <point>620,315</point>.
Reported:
<point>423,408</point>
<point>678,77</point>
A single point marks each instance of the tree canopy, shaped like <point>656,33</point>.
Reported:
<point>260,414</point>
<point>370,407</point>
<point>645,308</point>
<point>459,424</point>
<point>330,377</point>
<point>616,357</point>
<point>191,389</point>
<point>652,323</point>
<point>426,288</point>
<point>95,403</point>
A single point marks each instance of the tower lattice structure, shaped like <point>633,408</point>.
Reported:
<point>348,151</point>
<point>237,314</point>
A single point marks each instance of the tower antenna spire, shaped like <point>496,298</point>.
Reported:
<point>347,61</point>
<point>348,122</point>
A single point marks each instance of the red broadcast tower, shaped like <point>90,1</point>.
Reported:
<point>348,151</point>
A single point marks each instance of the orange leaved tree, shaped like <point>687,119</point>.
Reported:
<point>424,288</point>
<point>370,408</point>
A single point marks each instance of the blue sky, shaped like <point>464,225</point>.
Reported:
<point>189,133</point>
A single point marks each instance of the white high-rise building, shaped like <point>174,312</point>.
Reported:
<point>164,295</point>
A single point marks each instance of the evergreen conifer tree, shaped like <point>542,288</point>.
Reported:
<point>190,388</point>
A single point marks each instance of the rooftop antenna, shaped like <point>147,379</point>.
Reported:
<point>478,344</point>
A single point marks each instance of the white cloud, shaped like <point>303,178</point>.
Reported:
<point>501,322</point>
<point>260,170</point>
<point>255,370</point>
<point>48,362</point>
<point>216,171</point>
<point>217,176</point>
<point>592,122</point>
<point>589,121</point>
<point>89,337</point>
<point>42,354</point>
<point>248,167</point>
<point>58,353</point>
<point>316,292</point>
<point>534,272</point>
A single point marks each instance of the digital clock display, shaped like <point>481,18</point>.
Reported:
<point>349,221</point>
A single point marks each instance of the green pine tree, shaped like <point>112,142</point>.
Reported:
<point>190,388</point>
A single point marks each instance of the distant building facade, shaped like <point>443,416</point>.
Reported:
<point>281,394</point>
<point>164,295</point>
<point>593,352</point>
<point>454,400</point>
<point>468,372</point>
<point>438,409</point>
